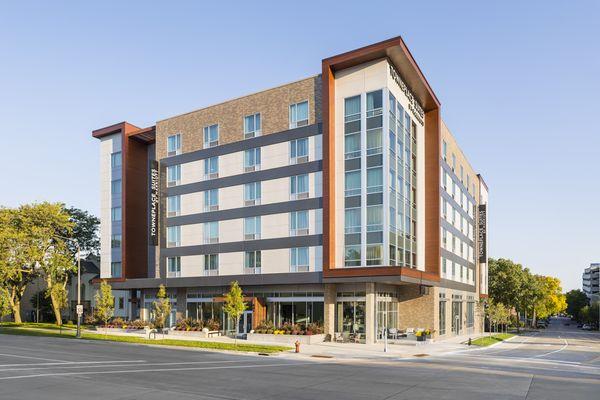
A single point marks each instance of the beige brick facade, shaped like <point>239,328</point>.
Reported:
<point>272,104</point>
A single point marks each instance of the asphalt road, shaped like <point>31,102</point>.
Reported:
<point>559,363</point>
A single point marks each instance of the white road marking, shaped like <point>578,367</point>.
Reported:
<point>71,363</point>
<point>145,364</point>
<point>127,371</point>
<point>31,357</point>
<point>555,351</point>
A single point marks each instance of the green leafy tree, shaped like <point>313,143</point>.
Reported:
<point>4,303</point>
<point>576,300</point>
<point>105,302</point>
<point>161,308</point>
<point>234,304</point>
<point>84,231</point>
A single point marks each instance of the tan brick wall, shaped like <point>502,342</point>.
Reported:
<point>272,104</point>
<point>416,310</point>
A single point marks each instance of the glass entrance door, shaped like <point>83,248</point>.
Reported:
<point>246,322</point>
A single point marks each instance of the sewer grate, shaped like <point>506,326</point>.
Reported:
<point>420,355</point>
<point>321,356</point>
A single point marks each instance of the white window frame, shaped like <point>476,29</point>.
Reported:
<point>211,271</point>
<point>255,132</point>
<point>177,181</point>
<point>207,167</point>
<point>177,150</point>
<point>177,230</point>
<point>293,114</point>
<point>294,266</point>
<point>113,184</point>
<point>294,194</point>
<point>207,206</point>
<point>176,272</point>
<point>113,159</point>
<point>207,140</point>
<point>116,216</point>
<point>257,268</point>
<point>294,219</point>
<point>257,194</point>
<point>177,211</point>
<point>257,228</point>
<point>206,230</point>
<point>113,267</point>
<point>294,149</point>
<point>257,159</point>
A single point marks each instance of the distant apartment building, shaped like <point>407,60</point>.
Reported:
<point>341,199</point>
<point>591,281</point>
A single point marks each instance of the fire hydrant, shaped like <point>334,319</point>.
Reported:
<point>297,346</point>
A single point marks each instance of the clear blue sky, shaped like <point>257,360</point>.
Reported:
<point>518,82</point>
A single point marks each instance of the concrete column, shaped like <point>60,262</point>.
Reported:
<point>329,299</point>
<point>370,333</point>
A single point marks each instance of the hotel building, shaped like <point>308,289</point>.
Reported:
<point>341,198</point>
<point>591,281</point>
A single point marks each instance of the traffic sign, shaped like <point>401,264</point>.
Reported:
<point>79,309</point>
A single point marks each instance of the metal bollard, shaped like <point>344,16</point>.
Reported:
<point>297,346</point>
<point>469,341</point>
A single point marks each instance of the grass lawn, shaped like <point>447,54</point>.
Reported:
<point>29,329</point>
<point>489,340</point>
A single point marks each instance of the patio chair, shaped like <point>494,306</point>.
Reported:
<point>393,333</point>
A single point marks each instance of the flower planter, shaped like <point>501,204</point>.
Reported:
<point>421,338</point>
<point>287,339</point>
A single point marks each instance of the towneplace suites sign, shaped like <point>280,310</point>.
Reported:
<point>154,198</point>
<point>482,229</point>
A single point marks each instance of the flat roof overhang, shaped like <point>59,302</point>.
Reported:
<point>397,52</point>
<point>143,135</point>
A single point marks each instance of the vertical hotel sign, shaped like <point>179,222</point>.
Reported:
<point>154,198</point>
<point>482,232</point>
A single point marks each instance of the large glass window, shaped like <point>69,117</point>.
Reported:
<point>299,186</point>
<point>374,254</point>
<point>352,127</point>
<point>299,223</point>
<point>352,183</point>
<point>252,126</point>
<point>115,160</point>
<point>115,186</point>
<point>115,214</point>
<point>298,114</point>
<point>211,232</point>
<point>374,218</point>
<point>374,122</point>
<point>211,264</point>
<point>352,220</point>
<point>174,145</point>
<point>442,317</point>
<point>299,259</point>
<point>115,269</point>
<point>350,317</point>
<point>252,228</point>
<point>252,159</point>
<point>211,136</point>
<point>252,194</point>
<point>299,151</point>
<point>173,206</point>
<point>375,180</point>
<point>173,236</point>
<point>211,200</point>
<point>173,267</point>
<point>211,168</point>
<point>173,175</point>
<point>352,256</point>
<point>252,260</point>
<point>115,241</point>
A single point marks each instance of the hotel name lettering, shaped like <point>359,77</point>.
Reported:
<point>413,106</point>
<point>154,198</point>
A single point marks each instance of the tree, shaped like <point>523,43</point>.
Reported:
<point>234,304</point>
<point>85,231</point>
<point>105,302</point>
<point>551,300</point>
<point>576,300</point>
<point>161,308</point>
<point>4,303</point>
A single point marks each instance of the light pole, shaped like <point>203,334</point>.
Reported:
<point>78,308</point>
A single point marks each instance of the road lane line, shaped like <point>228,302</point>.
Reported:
<point>67,366</point>
<point>71,363</point>
<point>128,371</point>
<point>555,351</point>
<point>31,357</point>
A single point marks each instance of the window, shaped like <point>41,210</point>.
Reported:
<point>173,267</point>
<point>299,223</point>
<point>252,126</point>
<point>115,214</point>
<point>298,114</point>
<point>299,151</point>
<point>453,162</point>
<point>442,317</point>
<point>374,254</point>
<point>211,136</point>
<point>374,103</point>
<point>252,194</point>
<point>252,262</point>
<point>352,183</point>
<point>375,180</point>
<point>462,174</point>
<point>374,122</point>
<point>299,187</point>
<point>174,145</point>
<point>115,269</point>
<point>443,266</point>
<point>211,264</point>
<point>115,186</point>
<point>173,236</point>
<point>352,126</point>
<point>211,232</point>
<point>444,149</point>
<point>211,200</point>
<point>173,175</point>
<point>352,256</point>
<point>173,206</point>
<point>121,303</point>
<point>352,220</point>
<point>252,160</point>
<point>115,160</point>
<point>374,218</point>
<point>211,168</point>
<point>299,259</point>
<point>115,241</point>
<point>251,228</point>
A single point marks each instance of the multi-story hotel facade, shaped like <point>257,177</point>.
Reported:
<point>341,199</point>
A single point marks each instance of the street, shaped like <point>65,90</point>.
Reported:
<point>561,362</point>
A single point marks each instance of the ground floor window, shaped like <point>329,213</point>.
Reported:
<point>470,314</point>
<point>387,313</point>
<point>457,317</point>
<point>442,317</point>
<point>350,316</point>
<point>149,312</point>
<point>295,312</point>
